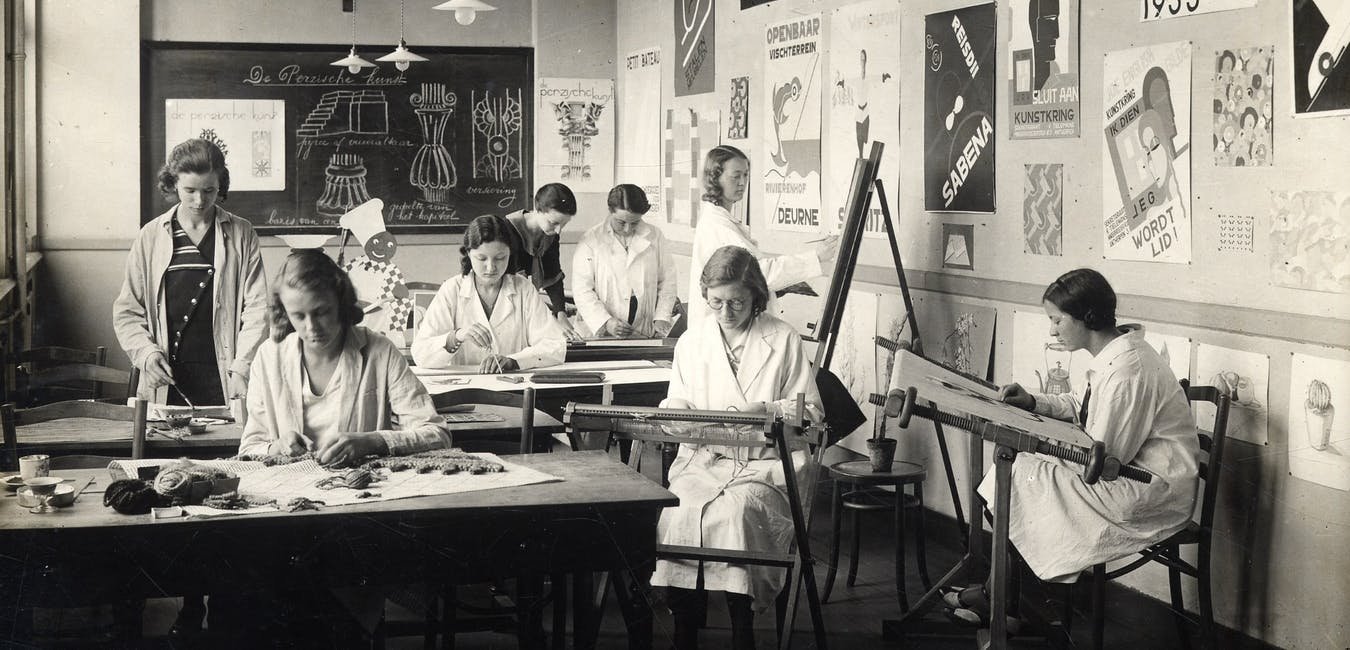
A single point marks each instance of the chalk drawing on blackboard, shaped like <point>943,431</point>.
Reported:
<point>344,185</point>
<point>261,165</point>
<point>496,135</point>
<point>210,135</point>
<point>347,111</point>
<point>577,125</point>
<point>432,170</point>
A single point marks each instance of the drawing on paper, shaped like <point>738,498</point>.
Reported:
<point>249,132</point>
<point>1244,96</point>
<point>1319,442</point>
<point>1043,208</point>
<point>688,135</point>
<point>497,135</point>
<point>738,128</point>
<point>577,125</point>
<point>1310,240</point>
<point>958,242</point>
<point>261,164</point>
<point>344,185</point>
<point>1243,376</point>
<point>1319,414</point>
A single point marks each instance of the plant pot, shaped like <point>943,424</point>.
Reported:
<point>882,453</point>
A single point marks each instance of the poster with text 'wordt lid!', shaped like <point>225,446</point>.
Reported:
<point>1146,165</point>
<point>1043,69</point>
<point>695,38</point>
<point>958,88</point>
<point>790,155</point>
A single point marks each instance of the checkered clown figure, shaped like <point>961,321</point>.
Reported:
<point>381,289</point>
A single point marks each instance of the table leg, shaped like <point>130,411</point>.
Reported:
<point>836,522</point>
<point>919,536</point>
<point>630,591</point>
<point>900,548</point>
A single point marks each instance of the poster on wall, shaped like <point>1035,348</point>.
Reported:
<point>958,89</point>
<point>1146,166</point>
<point>250,132</point>
<point>1043,209</point>
<point>956,333</point>
<point>695,38</point>
<point>738,120</point>
<point>790,155</point>
<point>863,105</point>
<point>854,362</point>
<point>574,123</point>
<point>689,134</point>
<point>958,246</point>
<point>1043,74</point>
<point>638,158</point>
<point>1320,40</point>
<point>1310,240</point>
<point>1245,377</point>
<point>1174,350</point>
<point>1244,95</point>
<point>1318,426</point>
<point>1165,9</point>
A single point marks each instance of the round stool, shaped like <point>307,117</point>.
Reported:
<point>856,488</point>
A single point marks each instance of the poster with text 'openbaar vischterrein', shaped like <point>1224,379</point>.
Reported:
<point>790,154</point>
<point>1146,166</point>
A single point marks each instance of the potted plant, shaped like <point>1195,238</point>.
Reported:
<point>880,449</point>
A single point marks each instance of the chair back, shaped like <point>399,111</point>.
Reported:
<point>49,374</point>
<point>445,402</point>
<point>1211,448</point>
<point>12,419</point>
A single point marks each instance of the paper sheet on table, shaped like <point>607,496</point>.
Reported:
<point>622,343</point>
<point>570,366</point>
<point>953,393</point>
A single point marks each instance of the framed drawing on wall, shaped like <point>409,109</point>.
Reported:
<point>305,141</point>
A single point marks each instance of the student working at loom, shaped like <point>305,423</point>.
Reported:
<point>534,246</point>
<point>1134,404</point>
<point>487,316</point>
<point>741,359</point>
<point>324,385</point>
<point>623,277</point>
<point>193,304</point>
<point>726,173</point>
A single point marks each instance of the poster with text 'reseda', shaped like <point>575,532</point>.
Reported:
<point>958,88</point>
<point>1146,166</point>
<point>1043,73</point>
<point>790,155</point>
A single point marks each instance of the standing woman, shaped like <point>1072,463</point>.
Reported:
<point>192,309</point>
<point>726,172</point>
<point>534,246</point>
<point>732,497</point>
<point>488,316</point>
<point>623,277</point>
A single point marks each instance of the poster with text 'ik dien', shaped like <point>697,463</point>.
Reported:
<point>1146,166</point>
<point>958,87</point>
<point>638,161</point>
<point>790,155</point>
<point>864,106</point>
<point>1043,79</point>
<point>575,133</point>
<point>695,38</point>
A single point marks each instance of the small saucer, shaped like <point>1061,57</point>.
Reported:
<point>13,483</point>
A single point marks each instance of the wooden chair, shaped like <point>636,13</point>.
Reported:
<point>643,425</point>
<point>446,402</point>
<point>51,374</point>
<point>12,419</point>
<point>1198,533</point>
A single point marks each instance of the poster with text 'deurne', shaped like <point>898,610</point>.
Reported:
<point>958,100</point>
<point>789,159</point>
<point>1146,162</point>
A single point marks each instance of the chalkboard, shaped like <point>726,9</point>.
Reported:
<point>440,143</point>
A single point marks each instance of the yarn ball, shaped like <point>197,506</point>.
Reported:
<point>131,496</point>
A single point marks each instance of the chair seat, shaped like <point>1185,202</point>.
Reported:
<point>1188,535</point>
<point>860,472</point>
<point>874,499</point>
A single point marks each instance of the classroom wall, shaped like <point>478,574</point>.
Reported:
<point>1279,569</point>
<point>88,130</point>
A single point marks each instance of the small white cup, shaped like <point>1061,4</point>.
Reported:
<point>35,466</point>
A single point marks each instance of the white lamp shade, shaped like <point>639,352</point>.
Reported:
<point>401,57</point>
<point>352,62</point>
<point>465,10</point>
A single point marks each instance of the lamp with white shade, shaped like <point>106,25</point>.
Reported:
<point>352,62</point>
<point>465,10</point>
<point>401,57</point>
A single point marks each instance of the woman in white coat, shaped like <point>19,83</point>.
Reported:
<point>746,360</point>
<point>726,171</point>
<point>487,317</point>
<point>623,277</point>
<point>1132,403</point>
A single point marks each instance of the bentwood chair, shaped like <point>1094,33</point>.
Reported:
<point>62,426</point>
<point>52,374</point>
<point>1197,533</point>
<point>644,425</point>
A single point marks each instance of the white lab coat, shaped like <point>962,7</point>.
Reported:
<point>726,503</point>
<point>604,275</point>
<point>1062,525</point>
<point>521,325</point>
<point>717,228</point>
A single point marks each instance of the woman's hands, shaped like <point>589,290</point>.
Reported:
<point>238,388</point>
<point>1017,396</point>
<point>157,371</point>
<point>827,249</point>
<point>616,327</point>
<point>478,334</point>
<point>568,331</point>
<point>345,448</point>
<point>496,364</point>
<point>661,328</point>
<point>293,447</point>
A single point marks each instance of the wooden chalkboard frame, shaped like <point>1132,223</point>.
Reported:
<point>223,72</point>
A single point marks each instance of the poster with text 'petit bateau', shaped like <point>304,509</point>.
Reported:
<point>958,87</point>
<point>789,158</point>
<point>638,161</point>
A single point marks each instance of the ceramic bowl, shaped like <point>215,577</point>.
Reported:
<point>64,496</point>
<point>13,482</point>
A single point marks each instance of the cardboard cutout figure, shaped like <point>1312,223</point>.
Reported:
<point>381,288</point>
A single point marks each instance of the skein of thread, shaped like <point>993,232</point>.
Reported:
<point>131,496</point>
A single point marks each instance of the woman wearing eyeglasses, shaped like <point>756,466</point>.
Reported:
<point>726,175</point>
<point>745,360</point>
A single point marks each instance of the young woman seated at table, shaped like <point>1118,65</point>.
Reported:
<point>623,277</point>
<point>324,384</point>
<point>1133,403</point>
<point>488,317</point>
<point>535,246</point>
<point>731,497</point>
